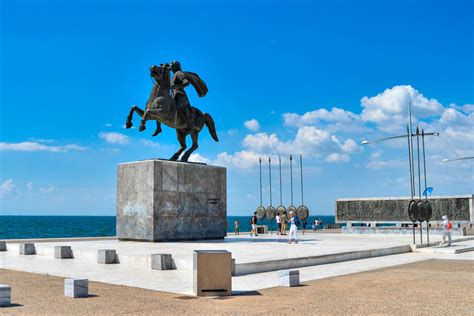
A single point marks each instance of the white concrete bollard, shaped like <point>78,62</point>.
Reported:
<point>161,261</point>
<point>63,252</point>
<point>27,249</point>
<point>5,295</point>
<point>289,277</point>
<point>76,287</point>
<point>106,256</point>
<point>3,245</point>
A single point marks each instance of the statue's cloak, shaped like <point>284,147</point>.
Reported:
<point>196,82</point>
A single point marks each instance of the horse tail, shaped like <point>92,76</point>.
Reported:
<point>210,126</point>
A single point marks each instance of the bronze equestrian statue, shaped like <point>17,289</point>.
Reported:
<point>174,110</point>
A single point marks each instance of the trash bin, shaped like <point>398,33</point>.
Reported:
<point>262,229</point>
<point>212,273</point>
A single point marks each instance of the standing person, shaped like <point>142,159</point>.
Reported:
<point>283,223</point>
<point>236,227</point>
<point>254,224</point>
<point>278,219</point>
<point>315,224</point>
<point>447,225</point>
<point>304,226</point>
<point>293,229</point>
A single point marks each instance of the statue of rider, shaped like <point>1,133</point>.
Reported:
<point>179,82</point>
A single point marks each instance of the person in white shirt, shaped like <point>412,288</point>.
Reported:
<point>447,225</point>
<point>293,229</point>
<point>278,219</point>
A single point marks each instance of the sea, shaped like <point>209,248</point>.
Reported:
<point>22,227</point>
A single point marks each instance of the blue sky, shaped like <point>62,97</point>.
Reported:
<point>284,77</point>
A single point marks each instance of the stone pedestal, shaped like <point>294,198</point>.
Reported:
<point>63,252</point>
<point>107,256</point>
<point>212,273</point>
<point>160,200</point>
<point>27,249</point>
<point>76,287</point>
<point>5,295</point>
<point>289,277</point>
<point>161,261</point>
<point>3,245</point>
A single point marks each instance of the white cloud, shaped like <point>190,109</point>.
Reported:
<point>261,142</point>
<point>36,146</point>
<point>114,138</point>
<point>48,189</point>
<point>242,159</point>
<point>336,157</point>
<point>252,125</point>
<point>313,117</point>
<point>7,188</point>
<point>29,186</point>
<point>389,109</point>
<point>195,157</point>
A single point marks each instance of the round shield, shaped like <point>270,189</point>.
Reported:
<point>291,209</point>
<point>421,211</point>
<point>260,212</point>
<point>281,210</point>
<point>412,209</point>
<point>270,213</point>
<point>429,211</point>
<point>302,212</point>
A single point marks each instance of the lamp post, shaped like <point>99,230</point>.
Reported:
<point>456,159</point>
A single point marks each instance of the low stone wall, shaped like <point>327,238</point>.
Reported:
<point>394,209</point>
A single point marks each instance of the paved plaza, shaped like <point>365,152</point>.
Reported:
<point>135,259</point>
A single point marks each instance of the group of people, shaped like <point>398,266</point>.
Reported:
<point>282,222</point>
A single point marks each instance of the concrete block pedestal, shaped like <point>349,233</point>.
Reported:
<point>3,245</point>
<point>161,261</point>
<point>27,249</point>
<point>106,256</point>
<point>212,273</point>
<point>63,252</point>
<point>76,287</point>
<point>289,277</point>
<point>5,295</point>
<point>160,200</point>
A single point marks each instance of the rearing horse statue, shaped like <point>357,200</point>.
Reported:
<point>162,108</point>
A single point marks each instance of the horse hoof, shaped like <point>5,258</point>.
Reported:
<point>128,125</point>
<point>141,128</point>
<point>156,133</point>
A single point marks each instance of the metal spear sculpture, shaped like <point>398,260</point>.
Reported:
<point>280,209</point>
<point>270,212</point>
<point>260,210</point>
<point>302,210</point>
<point>292,207</point>
<point>428,209</point>
<point>412,206</point>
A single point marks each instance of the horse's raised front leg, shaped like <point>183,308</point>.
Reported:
<point>194,137</point>
<point>182,141</point>
<point>158,128</point>
<point>134,108</point>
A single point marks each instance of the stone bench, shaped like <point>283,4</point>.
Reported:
<point>107,256</point>
<point>3,245</point>
<point>76,287</point>
<point>161,261</point>
<point>289,277</point>
<point>63,252</point>
<point>5,295</point>
<point>27,249</point>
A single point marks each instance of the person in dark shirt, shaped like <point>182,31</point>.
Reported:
<point>254,224</point>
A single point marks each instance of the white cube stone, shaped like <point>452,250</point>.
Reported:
<point>161,261</point>
<point>289,277</point>
<point>3,245</point>
<point>106,256</point>
<point>27,249</point>
<point>5,295</point>
<point>76,287</point>
<point>63,252</point>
